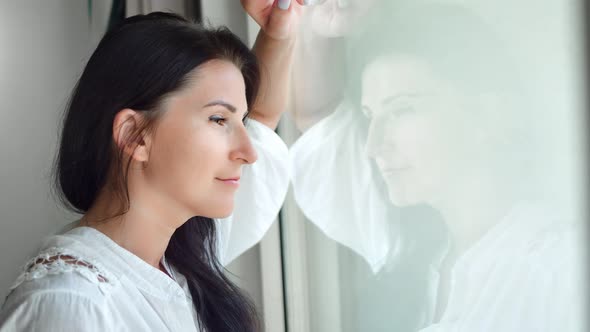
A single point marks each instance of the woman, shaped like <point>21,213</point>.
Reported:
<point>153,147</point>
<point>449,126</point>
<point>387,255</point>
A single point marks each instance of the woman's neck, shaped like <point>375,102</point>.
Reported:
<point>144,230</point>
<point>473,207</point>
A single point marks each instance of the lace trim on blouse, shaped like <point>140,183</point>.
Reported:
<point>55,261</point>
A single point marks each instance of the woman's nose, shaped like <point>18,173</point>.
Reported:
<point>244,151</point>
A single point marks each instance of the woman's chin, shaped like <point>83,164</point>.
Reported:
<point>222,214</point>
<point>219,212</point>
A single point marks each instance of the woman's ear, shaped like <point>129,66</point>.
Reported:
<point>129,136</point>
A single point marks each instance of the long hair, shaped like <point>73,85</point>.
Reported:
<point>137,65</point>
<point>456,42</point>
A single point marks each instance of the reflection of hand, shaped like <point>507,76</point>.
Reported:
<point>275,22</point>
<point>319,77</point>
<point>337,18</point>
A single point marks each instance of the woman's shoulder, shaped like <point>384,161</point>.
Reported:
<point>65,263</point>
<point>548,277</point>
<point>55,303</point>
<point>556,238</point>
<point>63,268</point>
<point>57,287</point>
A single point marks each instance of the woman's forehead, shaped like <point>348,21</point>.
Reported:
<point>215,80</point>
<point>398,74</point>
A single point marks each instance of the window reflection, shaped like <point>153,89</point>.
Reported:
<point>425,157</point>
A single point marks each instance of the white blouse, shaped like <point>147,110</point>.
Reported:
<point>525,274</point>
<point>83,281</point>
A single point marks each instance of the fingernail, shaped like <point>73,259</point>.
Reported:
<point>284,4</point>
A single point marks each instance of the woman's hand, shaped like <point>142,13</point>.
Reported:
<point>278,19</point>
<point>274,48</point>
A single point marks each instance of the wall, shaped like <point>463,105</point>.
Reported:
<point>44,45</point>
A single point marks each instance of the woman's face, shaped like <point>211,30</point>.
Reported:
<point>200,144</point>
<point>335,18</point>
<point>421,135</point>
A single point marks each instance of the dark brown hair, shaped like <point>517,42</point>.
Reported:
<point>137,65</point>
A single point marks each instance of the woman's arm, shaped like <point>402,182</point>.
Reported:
<point>276,59</point>
<point>274,48</point>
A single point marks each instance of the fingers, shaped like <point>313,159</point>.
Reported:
<point>255,6</point>
<point>277,18</point>
<point>280,20</point>
<point>284,4</point>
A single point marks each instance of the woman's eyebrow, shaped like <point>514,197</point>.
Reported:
<point>230,107</point>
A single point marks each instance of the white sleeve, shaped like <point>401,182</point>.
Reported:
<point>262,191</point>
<point>338,189</point>
<point>55,310</point>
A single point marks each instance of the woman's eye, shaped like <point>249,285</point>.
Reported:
<point>219,120</point>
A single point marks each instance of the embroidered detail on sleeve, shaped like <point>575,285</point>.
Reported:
<point>55,261</point>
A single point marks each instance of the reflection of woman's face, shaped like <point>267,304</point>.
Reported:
<point>419,134</point>
<point>335,18</point>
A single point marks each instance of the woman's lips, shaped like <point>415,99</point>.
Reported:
<point>230,181</point>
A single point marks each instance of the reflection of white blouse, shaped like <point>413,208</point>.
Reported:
<point>96,285</point>
<point>337,188</point>
<point>525,274</point>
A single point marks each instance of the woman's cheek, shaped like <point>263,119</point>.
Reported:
<point>414,137</point>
